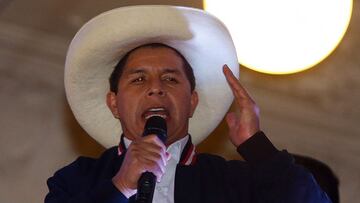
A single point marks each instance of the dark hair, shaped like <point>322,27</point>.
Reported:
<point>118,70</point>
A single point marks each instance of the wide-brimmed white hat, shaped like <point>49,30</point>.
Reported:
<point>99,45</point>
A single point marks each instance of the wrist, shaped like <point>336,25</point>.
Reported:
<point>257,149</point>
<point>123,188</point>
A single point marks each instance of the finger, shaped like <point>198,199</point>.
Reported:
<point>146,147</point>
<point>153,165</point>
<point>158,173</point>
<point>145,151</point>
<point>237,89</point>
<point>160,159</point>
<point>154,168</point>
<point>155,140</point>
<point>168,156</point>
<point>149,151</point>
<point>150,143</point>
<point>235,86</point>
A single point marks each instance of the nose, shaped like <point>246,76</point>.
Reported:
<point>154,92</point>
<point>156,89</point>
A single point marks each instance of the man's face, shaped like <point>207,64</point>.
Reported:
<point>153,82</point>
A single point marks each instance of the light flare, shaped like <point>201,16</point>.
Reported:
<point>283,36</point>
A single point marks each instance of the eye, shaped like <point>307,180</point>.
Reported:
<point>138,80</point>
<point>171,79</point>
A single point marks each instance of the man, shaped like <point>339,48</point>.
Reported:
<point>164,48</point>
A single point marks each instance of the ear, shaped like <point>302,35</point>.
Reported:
<point>111,103</point>
<point>194,102</point>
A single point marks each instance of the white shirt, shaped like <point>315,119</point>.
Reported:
<point>164,190</point>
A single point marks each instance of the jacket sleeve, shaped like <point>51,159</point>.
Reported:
<point>69,185</point>
<point>275,176</point>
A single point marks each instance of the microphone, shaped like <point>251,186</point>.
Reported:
<point>146,183</point>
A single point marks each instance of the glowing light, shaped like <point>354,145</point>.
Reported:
<point>283,36</point>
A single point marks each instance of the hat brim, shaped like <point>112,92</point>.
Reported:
<point>98,46</point>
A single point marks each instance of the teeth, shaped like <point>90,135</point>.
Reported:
<point>156,109</point>
<point>161,115</point>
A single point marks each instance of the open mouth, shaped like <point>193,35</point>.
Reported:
<point>156,111</point>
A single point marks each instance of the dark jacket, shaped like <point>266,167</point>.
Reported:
<point>268,175</point>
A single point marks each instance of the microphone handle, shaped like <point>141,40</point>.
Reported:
<point>146,185</point>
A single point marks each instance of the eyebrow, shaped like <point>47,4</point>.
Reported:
<point>135,71</point>
<point>142,70</point>
<point>171,70</point>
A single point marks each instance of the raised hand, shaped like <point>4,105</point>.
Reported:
<point>246,123</point>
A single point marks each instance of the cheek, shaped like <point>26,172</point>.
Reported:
<point>126,104</point>
<point>184,104</point>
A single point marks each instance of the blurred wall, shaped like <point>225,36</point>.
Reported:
<point>314,113</point>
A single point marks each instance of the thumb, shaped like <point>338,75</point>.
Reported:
<point>231,120</point>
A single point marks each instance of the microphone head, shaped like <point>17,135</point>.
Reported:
<point>156,125</point>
